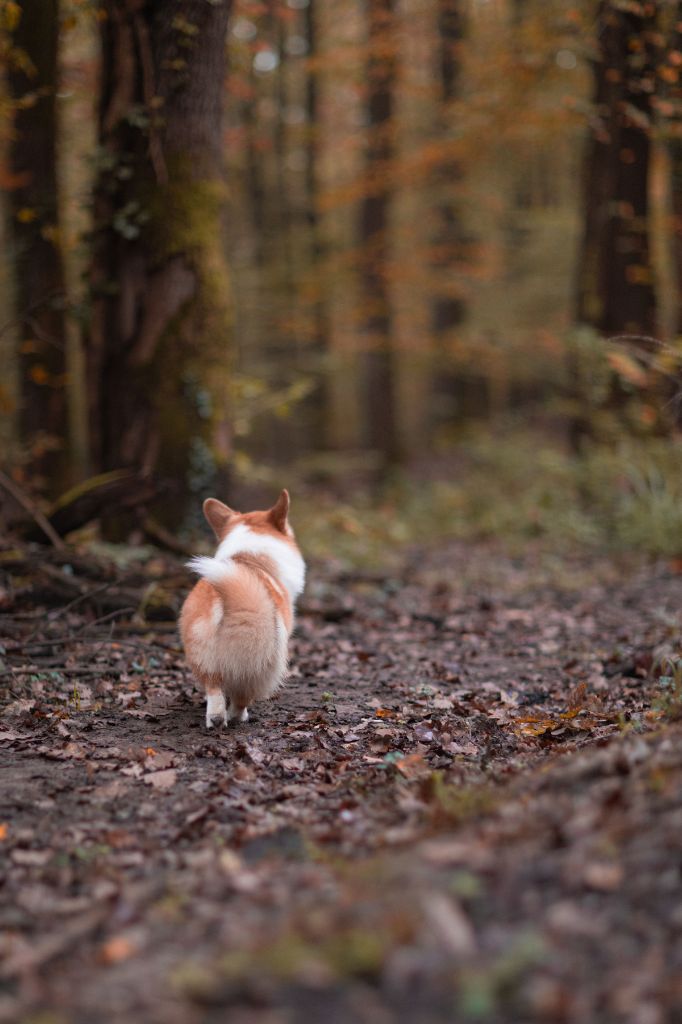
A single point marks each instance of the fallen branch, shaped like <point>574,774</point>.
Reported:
<point>119,489</point>
<point>36,515</point>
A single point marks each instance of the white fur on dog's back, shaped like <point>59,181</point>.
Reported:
<point>242,540</point>
<point>285,556</point>
<point>215,570</point>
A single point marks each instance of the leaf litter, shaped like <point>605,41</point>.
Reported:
<point>466,804</point>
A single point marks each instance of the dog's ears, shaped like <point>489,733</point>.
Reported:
<point>217,516</point>
<point>279,512</point>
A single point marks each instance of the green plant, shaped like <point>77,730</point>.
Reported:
<point>623,497</point>
<point>669,702</point>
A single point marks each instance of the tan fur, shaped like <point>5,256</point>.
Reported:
<point>267,573</point>
<point>235,629</point>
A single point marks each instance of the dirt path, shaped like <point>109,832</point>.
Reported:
<point>467,805</point>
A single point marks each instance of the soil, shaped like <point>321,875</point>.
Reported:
<point>466,804</point>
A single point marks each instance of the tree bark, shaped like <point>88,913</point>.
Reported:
<point>616,284</point>
<point>318,403</point>
<point>449,242</point>
<point>382,427</point>
<point>34,212</point>
<point>672,75</point>
<point>158,348</point>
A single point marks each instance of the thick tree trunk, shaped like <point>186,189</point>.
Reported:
<point>616,286</point>
<point>33,208</point>
<point>382,427</point>
<point>158,347</point>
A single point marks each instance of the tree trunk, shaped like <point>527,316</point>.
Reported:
<point>319,400</point>
<point>382,427</point>
<point>34,212</point>
<point>447,309</point>
<point>672,77</point>
<point>158,346</point>
<point>616,286</point>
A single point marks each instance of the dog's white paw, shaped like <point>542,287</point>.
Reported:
<point>216,711</point>
<point>238,714</point>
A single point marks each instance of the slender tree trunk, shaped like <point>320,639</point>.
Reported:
<point>675,152</point>
<point>616,285</point>
<point>158,351</point>
<point>447,311</point>
<point>33,208</point>
<point>318,402</point>
<point>672,74</point>
<point>285,251</point>
<point>255,185</point>
<point>382,427</point>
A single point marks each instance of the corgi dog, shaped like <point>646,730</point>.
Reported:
<point>236,621</point>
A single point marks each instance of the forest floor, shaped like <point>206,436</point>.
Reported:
<point>466,805</point>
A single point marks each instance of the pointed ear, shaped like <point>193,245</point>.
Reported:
<point>217,516</point>
<point>279,512</point>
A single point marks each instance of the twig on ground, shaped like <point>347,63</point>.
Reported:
<point>34,670</point>
<point>27,960</point>
<point>83,597</point>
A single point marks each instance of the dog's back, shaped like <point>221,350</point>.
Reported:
<point>236,622</point>
<point>234,635</point>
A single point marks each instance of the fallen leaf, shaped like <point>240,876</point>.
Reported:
<point>157,761</point>
<point>115,950</point>
<point>603,876</point>
<point>161,780</point>
<point>450,923</point>
<point>627,367</point>
<point>31,858</point>
<point>536,725</point>
<point>412,766</point>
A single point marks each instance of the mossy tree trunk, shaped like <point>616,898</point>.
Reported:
<point>158,349</point>
<point>382,426</point>
<point>34,214</point>
<point>616,286</point>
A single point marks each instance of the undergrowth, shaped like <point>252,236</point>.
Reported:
<point>513,489</point>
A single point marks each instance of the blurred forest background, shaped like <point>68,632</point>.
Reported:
<point>418,260</point>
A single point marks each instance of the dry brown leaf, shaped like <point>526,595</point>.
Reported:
<point>412,766</point>
<point>451,924</point>
<point>626,367</point>
<point>31,858</point>
<point>161,780</point>
<point>604,876</point>
<point>117,949</point>
<point>159,760</point>
<point>536,725</point>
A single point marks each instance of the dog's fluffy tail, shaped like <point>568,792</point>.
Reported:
<point>212,569</point>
